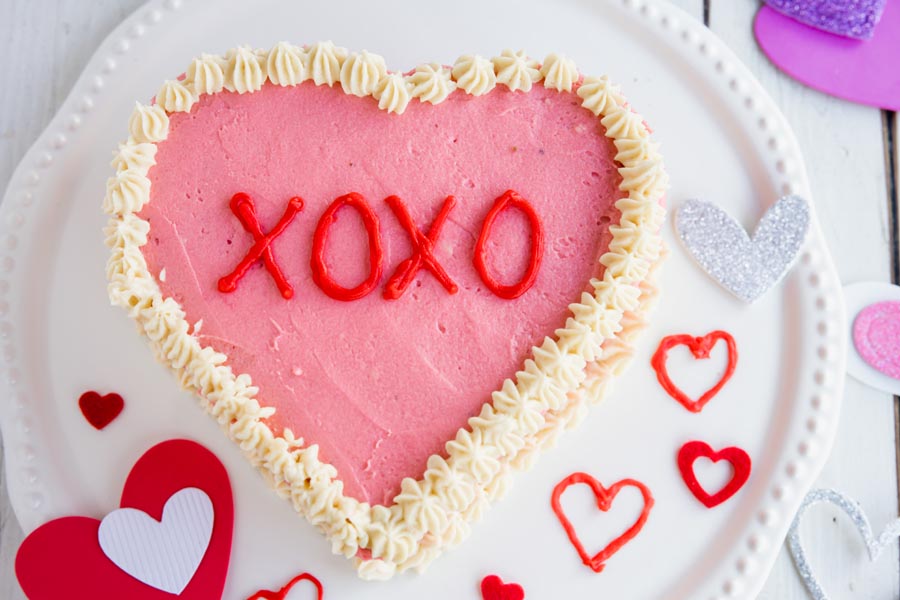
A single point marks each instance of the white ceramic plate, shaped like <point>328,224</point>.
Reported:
<point>723,140</point>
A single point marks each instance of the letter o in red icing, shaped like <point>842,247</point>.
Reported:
<point>510,199</point>
<point>376,255</point>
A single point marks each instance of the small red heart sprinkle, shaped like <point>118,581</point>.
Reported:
<point>740,463</point>
<point>493,588</point>
<point>99,410</point>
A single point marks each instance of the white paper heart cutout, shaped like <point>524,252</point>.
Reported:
<point>162,554</point>
<point>746,266</point>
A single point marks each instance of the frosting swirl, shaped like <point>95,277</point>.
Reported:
<point>431,83</point>
<point>325,61</point>
<point>361,73</point>
<point>393,93</point>
<point>148,123</point>
<point>559,72</point>
<point>474,74</point>
<point>174,96</point>
<point>127,192</point>
<point>245,71</point>
<point>599,95</point>
<point>206,74</point>
<point>135,157</point>
<point>516,71</point>
<point>287,64</point>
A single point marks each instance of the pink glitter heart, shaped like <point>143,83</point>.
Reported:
<point>863,71</point>
<point>876,335</point>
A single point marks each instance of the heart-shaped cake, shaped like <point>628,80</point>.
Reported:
<point>391,290</point>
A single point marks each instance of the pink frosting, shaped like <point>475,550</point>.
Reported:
<point>379,385</point>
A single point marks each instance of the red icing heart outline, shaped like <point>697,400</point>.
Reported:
<point>605,497</point>
<point>63,558</point>
<point>740,463</point>
<point>700,348</point>
<point>284,591</point>
<point>493,588</point>
<point>99,410</point>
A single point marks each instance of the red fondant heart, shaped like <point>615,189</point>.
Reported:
<point>700,347</point>
<point>283,592</point>
<point>99,410</point>
<point>63,558</point>
<point>493,588</point>
<point>605,497</point>
<point>740,463</point>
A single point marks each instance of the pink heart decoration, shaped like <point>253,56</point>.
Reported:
<point>862,71</point>
<point>876,336</point>
<point>63,558</point>
<point>379,398</point>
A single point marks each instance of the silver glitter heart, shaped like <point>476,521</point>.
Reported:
<point>874,545</point>
<point>747,267</point>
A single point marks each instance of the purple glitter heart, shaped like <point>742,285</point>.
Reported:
<point>850,18</point>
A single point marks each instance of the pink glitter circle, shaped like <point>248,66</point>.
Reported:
<point>876,335</point>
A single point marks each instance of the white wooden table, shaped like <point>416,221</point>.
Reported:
<point>853,159</point>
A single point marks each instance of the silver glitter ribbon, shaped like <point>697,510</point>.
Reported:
<point>874,546</point>
<point>747,267</point>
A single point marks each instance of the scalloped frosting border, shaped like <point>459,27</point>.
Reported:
<point>549,394</point>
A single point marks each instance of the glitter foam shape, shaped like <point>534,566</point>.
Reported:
<point>874,546</point>
<point>849,18</point>
<point>747,267</point>
<point>876,336</point>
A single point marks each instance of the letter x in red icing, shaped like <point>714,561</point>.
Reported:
<point>422,248</point>
<point>245,210</point>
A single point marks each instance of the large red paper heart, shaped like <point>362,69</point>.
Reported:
<point>99,410</point>
<point>493,588</point>
<point>63,558</point>
<point>740,463</point>
<point>605,497</point>
<point>700,347</point>
<point>863,71</point>
<point>339,284</point>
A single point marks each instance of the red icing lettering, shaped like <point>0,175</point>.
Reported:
<point>376,254</point>
<point>243,208</point>
<point>510,199</point>
<point>422,247</point>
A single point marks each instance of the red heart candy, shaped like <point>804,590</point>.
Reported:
<point>740,462</point>
<point>283,592</point>
<point>99,410</point>
<point>605,497</point>
<point>493,588</point>
<point>63,558</point>
<point>700,347</point>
